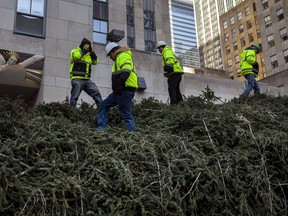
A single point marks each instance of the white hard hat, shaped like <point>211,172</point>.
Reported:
<point>160,43</point>
<point>110,46</point>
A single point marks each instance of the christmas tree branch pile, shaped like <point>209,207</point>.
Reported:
<point>196,158</point>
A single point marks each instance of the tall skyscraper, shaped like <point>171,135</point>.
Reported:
<point>208,29</point>
<point>183,32</point>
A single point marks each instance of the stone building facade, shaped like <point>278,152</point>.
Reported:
<point>45,33</point>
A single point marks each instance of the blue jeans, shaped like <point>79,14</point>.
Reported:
<point>88,86</point>
<point>124,102</point>
<point>252,84</point>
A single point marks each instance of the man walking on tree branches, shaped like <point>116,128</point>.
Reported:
<point>124,85</point>
<point>250,68</point>
<point>81,60</point>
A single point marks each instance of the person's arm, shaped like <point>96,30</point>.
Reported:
<point>94,58</point>
<point>251,57</point>
<point>124,68</point>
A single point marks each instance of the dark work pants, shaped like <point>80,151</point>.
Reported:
<point>88,86</point>
<point>174,88</point>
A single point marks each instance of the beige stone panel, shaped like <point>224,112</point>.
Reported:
<point>53,94</point>
<point>50,47</point>
<point>63,49</point>
<point>56,28</point>
<point>48,80</point>
<point>81,2</point>
<point>21,43</point>
<point>101,75</point>
<point>74,12</point>
<point>7,4</point>
<point>148,61</point>
<point>117,16</point>
<point>56,67</point>
<point>7,19</point>
<point>63,82</point>
<point>78,31</point>
<point>99,49</point>
<point>53,8</point>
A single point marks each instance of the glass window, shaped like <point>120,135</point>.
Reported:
<point>30,17</point>
<point>250,37</point>
<point>248,24</point>
<point>279,14</point>
<point>285,53</point>
<point>283,34</point>
<point>149,25</point>
<point>270,39</point>
<point>237,59</point>
<point>225,25</point>
<point>247,11</point>
<point>233,33</point>
<point>267,21</point>
<point>100,21</point>
<point>229,62</point>
<point>232,20</point>
<point>264,4</point>
<point>238,71</point>
<point>235,46</point>
<point>274,62</point>
<point>241,29</point>
<point>226,37</point>
<point>130,23</point>
<point>239,15</point>
<point>228,50</point>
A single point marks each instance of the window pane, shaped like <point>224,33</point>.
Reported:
<point>37,7</point>
<point>96,25</point>
<point>99,37</point>
<point>103,27</point>
<point>100,10</point>
<point>29,24</point>
<point>100,26</point>
<point>23,6</point>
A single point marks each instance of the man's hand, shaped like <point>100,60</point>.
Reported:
<point>84,52</point>
<point>168,74</point>
<point>93,56</point>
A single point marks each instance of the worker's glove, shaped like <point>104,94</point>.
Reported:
<point>84,52</point>
<point>168,68</point>
<point>93,56</point>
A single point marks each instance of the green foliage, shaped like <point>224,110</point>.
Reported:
<point>195,158</point>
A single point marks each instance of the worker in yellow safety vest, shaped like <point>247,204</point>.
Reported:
<point>250,68</point>
<point>172,70</point>
<point>124,85</point>
<point>81,60</point>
